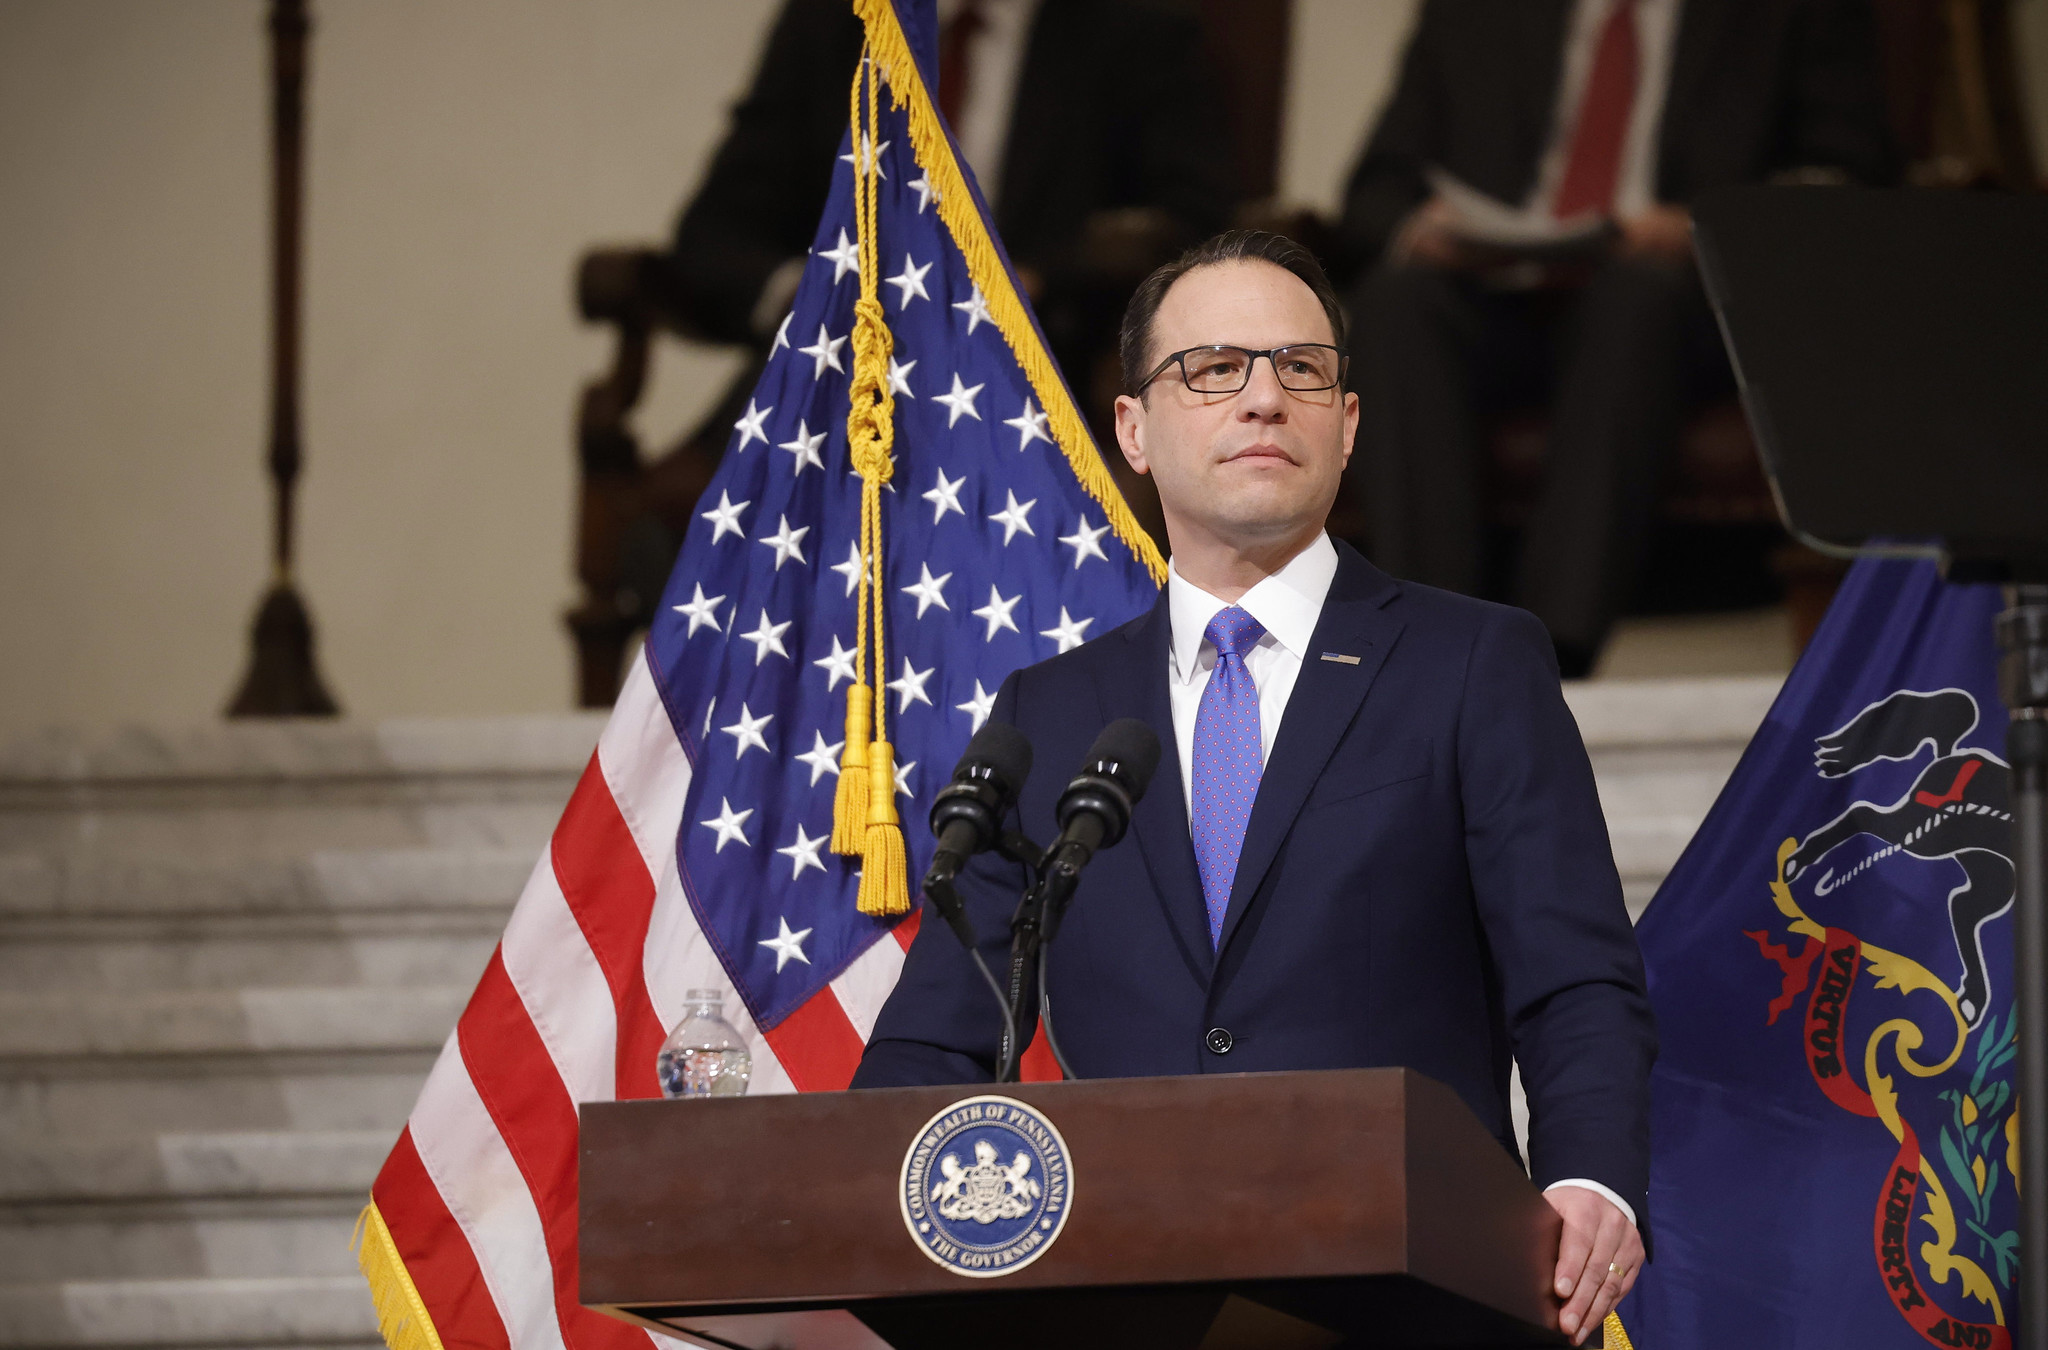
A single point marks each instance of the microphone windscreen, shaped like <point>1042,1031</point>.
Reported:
<point>1133,748</point>
<point>1003,749</point>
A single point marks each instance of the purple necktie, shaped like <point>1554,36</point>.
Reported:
<point>1227,760</point>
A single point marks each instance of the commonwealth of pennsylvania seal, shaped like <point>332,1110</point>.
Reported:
<point>986,1186</point>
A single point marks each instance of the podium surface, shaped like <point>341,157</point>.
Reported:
<point>1358,1206</point>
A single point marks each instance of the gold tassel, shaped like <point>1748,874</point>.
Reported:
<point>885,872</point>
<point>401,1314</point>
<point>850,803</point>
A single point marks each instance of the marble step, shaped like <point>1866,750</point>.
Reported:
<point>282,816</point>
<point>1661,751</point>
<point>255,1164</point>
<point>102,1098</point>
<point>200,756</point>
<point>1661,748</point>
<point>62,768</point>
<point>72,1025</point>
<point>1675,712</point>
<point>84,885</point>
<point>179,1240</point>
<point>278,824</point>
<point>332,1311</point>
<point>380,951</point>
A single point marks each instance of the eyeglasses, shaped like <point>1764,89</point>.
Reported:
<point>1304,368</point>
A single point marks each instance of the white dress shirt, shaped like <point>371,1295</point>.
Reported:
<point>1635,189</point>
<point>1287,605</point>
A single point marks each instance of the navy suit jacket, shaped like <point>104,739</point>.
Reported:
<point>1425,881</point>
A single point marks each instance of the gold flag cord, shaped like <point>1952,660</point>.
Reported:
<point>870,827</point>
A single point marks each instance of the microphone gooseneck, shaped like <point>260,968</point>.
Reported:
<point>1094,813</point>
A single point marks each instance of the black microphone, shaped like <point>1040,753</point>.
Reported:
<point>967,815</point>
<point>1095,810</point>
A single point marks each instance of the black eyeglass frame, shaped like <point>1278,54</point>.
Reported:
<point>1179,358</point>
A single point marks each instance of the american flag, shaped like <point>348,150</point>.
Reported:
<point>694,851</point>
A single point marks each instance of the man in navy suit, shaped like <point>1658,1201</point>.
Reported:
<point>1376,839</point>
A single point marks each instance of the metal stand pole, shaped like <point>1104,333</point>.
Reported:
<point>1026,934</point>
<point>282,680</point>
<point>2023,683</point>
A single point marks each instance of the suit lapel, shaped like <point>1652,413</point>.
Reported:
<point>1325,701</point>
<point>1134,685</point>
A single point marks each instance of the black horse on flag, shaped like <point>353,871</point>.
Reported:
<point>1958,808</point>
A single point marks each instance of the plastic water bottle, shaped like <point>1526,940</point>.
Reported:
<point>704,1056</point>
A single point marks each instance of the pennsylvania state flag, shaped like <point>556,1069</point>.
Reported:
<point>1834,1157</point>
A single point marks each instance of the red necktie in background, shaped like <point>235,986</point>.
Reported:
<point>955,46</point>
<point>1594,168</point>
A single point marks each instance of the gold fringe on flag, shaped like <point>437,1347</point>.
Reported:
<point>1613,1336</point>
<point>401,1314</point>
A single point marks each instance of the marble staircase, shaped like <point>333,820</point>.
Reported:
<point>226,961</point>
<point>227,958</point>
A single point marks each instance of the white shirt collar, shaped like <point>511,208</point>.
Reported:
<point>1286,604</point>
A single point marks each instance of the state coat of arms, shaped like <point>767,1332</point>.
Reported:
<point>988,1190</point>
<point>999,1212</point>
<point>1926,1051</point>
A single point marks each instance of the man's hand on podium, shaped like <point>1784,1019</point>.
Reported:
<point>1597,1258</point>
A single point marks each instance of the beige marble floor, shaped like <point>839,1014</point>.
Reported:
<point>1748,642</point>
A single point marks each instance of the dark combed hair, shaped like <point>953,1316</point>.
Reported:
<point>1134,345</point>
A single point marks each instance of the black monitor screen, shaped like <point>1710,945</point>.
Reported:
<point>1892,349</point>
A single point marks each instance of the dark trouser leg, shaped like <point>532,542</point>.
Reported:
<point>1415,467</point>
<point>1622,370</point>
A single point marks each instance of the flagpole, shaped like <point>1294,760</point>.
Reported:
<point>2023,684</point>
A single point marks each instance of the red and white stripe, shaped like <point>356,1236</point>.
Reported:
<point>480,1193</point>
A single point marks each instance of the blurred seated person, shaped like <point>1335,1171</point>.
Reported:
<point>1082,119</point>
<point>1519,232</point>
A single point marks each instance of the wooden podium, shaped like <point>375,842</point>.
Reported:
<point>1351,1207</point>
